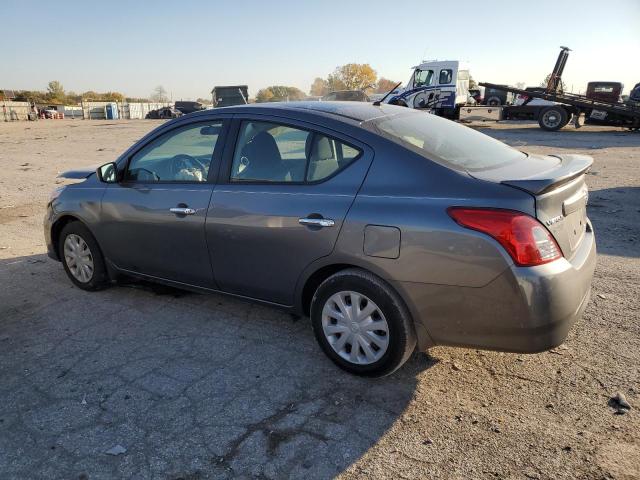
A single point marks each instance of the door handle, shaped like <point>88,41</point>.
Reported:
<point>182,211</point>
<point>317,222</point>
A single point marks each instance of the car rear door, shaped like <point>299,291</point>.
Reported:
<point>283,193</point>
<point>152,222</point>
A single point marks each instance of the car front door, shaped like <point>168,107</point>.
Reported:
<point>283,193</point>
<point>153,220</point>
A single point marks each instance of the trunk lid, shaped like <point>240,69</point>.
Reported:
<point>557,182</point>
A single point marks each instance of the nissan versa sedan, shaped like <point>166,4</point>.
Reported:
<point>389,227</point>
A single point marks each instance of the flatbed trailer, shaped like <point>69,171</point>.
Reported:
<point>574,105</point>
<point>569,106</point>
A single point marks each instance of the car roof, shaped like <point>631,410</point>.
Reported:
<point>358,111</point>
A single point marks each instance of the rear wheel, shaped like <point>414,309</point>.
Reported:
<point>362,324</point>
<point>81,257</point>
<point>553,118</point>
<point>494,101</point>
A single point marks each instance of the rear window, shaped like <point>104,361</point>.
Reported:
<point>445,141</point>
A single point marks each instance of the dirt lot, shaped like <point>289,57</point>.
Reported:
<point>195,386</point>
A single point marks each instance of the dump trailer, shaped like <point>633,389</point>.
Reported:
<point>229,95</point>
<point>568,106</point>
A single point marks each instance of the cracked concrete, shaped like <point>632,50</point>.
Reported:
<point>197,387</point>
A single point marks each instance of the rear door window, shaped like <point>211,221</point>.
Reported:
<point>274,153</point>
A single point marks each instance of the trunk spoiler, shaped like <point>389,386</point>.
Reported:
<point>571,166</point>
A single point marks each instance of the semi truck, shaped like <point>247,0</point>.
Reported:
<point>442,88</point>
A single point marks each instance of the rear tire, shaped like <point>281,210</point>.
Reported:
<point>379,326</point>
<point>553,118</point>
<point>81,257</point>
<point>494,101</point>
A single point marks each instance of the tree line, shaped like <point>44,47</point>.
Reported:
<point>352,76</point>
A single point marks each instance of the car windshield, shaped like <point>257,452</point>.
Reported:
<point>445,141</point>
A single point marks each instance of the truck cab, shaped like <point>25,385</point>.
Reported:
<point>439,86</point>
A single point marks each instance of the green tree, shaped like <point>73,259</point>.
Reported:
<point>319,87</point>
<point>55,91</point>
<point>279,93</point>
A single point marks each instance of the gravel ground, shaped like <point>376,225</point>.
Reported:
<point>140,381</point>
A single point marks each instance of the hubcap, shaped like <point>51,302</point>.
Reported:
<point>78,258</point>
<point>355,327</point>
<point>551,119</point>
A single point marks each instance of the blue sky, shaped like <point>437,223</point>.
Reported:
<point>190,46</point>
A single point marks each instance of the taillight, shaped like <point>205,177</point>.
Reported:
<point>527,241</point>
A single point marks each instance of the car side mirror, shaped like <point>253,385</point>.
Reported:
<point>107,173</point>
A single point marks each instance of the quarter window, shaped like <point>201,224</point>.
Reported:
<point>181,155</point>
<point>446,75</point>
<point>269,152</point>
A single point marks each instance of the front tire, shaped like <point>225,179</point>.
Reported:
<point>362,324</point>
<point>81,257</point>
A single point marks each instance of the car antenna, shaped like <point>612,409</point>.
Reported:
<point>378,102</point>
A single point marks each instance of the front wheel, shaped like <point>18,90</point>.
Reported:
<point>81,257</point>
<point>553,118</point>
<point>362,324</point>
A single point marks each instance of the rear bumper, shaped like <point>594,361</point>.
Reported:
<point>525,309</point>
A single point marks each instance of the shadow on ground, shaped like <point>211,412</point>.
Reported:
<point>191,386</point>
<point>615,213</point>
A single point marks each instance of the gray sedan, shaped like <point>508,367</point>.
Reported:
<point>389,227</point>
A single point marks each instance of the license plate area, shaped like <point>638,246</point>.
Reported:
<point>576,225</point>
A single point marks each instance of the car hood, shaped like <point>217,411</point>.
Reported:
<point>79,173</point>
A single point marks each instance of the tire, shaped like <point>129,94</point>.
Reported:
<point>552,118</point>
<point>73,239</point>
<point>494,101</point>
<point>379,353</point>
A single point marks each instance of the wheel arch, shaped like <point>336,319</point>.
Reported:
<point>59,224</point>
<point>321,270</point>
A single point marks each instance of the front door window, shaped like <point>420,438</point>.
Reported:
<point>423,78</point>
<point>181,155</point>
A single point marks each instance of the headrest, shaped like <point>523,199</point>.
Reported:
<point>318,147</point>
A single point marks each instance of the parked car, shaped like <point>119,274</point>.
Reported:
<point>164,112</point>
<point>388,226</point>
<point>346,96</point>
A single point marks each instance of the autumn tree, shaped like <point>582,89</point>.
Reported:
<point>385,85</point>
<point>319,87</point>
<point>353,76</point>
<point>279,93</point>
<point>55,91</point>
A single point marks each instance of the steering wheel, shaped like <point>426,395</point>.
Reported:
<point>183,161</point>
